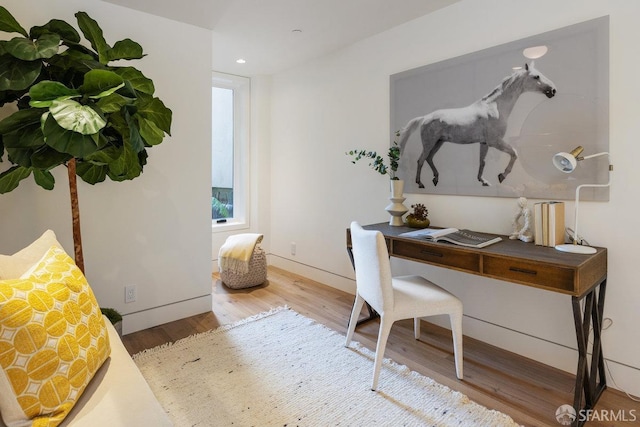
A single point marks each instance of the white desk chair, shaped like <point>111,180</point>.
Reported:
<point>396,298</point>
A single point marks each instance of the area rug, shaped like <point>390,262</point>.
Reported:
<point>282,369</point>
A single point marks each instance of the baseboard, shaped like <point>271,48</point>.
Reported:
<point>322,276</point>
<point>325,277</point>
<point>145,319</point>
<point>622,377</point>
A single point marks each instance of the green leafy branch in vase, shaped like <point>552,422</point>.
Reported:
<point>378,162</point>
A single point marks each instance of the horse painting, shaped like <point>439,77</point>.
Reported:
<point>484,122</point>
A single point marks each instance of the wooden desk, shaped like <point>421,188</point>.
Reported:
<point>583,277</point>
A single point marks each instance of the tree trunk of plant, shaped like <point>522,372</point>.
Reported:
<point>75,214</point>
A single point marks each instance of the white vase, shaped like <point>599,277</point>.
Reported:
<point>396,208</point>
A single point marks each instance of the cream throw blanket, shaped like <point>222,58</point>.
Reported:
<point>236,252</point>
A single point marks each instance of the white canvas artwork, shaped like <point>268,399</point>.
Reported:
<point>488,123</point>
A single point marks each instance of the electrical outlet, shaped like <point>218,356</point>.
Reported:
<point>293,248</point>
<point>130,293</point>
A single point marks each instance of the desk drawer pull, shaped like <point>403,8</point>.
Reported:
<point>438,254</point>
<point>523,270</point>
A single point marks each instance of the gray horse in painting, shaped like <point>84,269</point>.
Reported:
<point>483,122</point>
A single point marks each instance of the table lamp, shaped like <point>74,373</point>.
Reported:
<point>567,163</point>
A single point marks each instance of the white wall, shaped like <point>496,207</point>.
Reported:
<point>341,101</point>
<point>152,231</point>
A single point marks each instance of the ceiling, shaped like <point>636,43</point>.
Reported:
<point>262,31</point>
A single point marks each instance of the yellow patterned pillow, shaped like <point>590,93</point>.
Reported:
<point>52,341</point>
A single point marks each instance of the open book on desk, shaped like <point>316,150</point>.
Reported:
<point>453,235</point>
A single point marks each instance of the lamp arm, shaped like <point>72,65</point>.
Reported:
<point>575,228</point>
<point>604,153</point>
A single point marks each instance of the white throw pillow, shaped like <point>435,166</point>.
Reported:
<point>14,266</point>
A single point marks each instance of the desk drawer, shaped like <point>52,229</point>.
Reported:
<point>437,254</point>
<point>534,274</point>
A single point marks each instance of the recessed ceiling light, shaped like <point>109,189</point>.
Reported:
<point>241,61</point>
<point>297,31</point>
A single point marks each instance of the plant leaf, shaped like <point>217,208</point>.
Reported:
<point>107,92</point>
<point>135,140</point>
<point>154,110</point>
<point>22,143</point>
<point>142,158</point>
<point>16,74</point>
<point>119,125</point>
<point>101,83</point>
<point>20,119</point>
<point>44,179</point>
<point>137,143</point>
<point>43,93</point>
<point>128,91</point>
<point>68,141</point>
<point>73,116</point>
<point>8,23</point>
<point>112,103</point>
<point>104,156</point>
<point>125,49</point>
<point>91,173</point>
<point>136,78</point>
<point>47,158</point>
<point>149,131</point>
<point>70,67</point>
<point>28,50</point>
<point>93,33</point>
<point>57,26</point>
<point>27,137</point>
<point>20,156</point>
<point>127,166</point>
<point>10,178</point>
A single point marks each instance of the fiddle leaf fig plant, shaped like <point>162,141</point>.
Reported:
<point>72,104</point>
<point>68,105</point>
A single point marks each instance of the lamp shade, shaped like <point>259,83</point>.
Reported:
<point>567,162</point>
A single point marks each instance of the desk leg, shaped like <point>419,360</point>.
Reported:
<point>372,313</point>
<point>590,380</point>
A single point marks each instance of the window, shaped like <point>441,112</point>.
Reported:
<point>230,149</point>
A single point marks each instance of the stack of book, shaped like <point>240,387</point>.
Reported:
<point>548,223</point>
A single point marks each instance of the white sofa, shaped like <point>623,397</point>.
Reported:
<point>118,395</point>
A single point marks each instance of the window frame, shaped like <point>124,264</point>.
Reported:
<point>241,87</point>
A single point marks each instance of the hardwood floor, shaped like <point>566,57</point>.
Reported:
<point>528,391</point>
